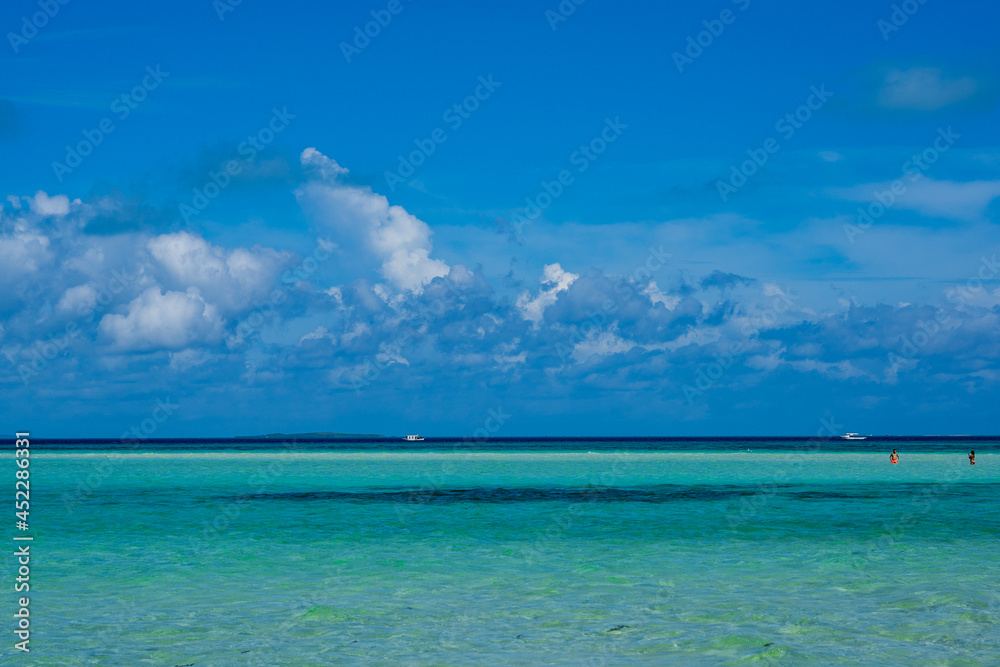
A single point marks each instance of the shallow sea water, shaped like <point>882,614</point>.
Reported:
<point>514,558</point>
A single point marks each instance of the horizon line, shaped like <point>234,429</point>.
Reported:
<point>446,438</point>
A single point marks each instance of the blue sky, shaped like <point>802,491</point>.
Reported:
<point>721,218</point>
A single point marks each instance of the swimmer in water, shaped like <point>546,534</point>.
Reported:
<point>893,458</point>
<point>972,458</point>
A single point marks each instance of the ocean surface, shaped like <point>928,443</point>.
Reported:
<point>515,552</point>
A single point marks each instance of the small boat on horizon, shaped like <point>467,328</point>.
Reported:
<point>413,438</point>
<point>853,436</point>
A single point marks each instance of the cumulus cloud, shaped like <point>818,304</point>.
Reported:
<point>554,281</point>
<point>321,166</point>
<point>171,320</point>
<point>81,298</point>
<point>603,344</point>
<point>232,279</point>
<point>43,204</point>
<point>614,329</point>
<point>28,233</point>
<point>23,249</point>
<point>116,284</point>
<point>364,221</point>
<point>656,295</point>
<point>185,360</point>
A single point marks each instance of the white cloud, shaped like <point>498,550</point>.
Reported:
<point>924,89</point>
<point>42,204</point>
<point>948,199</point>
<point>389,354</point>
<point>170,320</point>
<point>322,166</point>
<point>364,219</point>
<point>831,156</point>
<point>652,290</point>
<point>603,343</point>
<point>24,246</point>
<point>319,333</point>
<point>24,250</point>
<point>944,199</point>
<point>90,261</point>
<point>185,360</point>
<point>765,362</point>
<point>770,289</point>
<point>505,362</point>
<point>79,299</point>
<point>554,280</point>
<point>230,279</point>
<point>841,370</point>
<point>360,329</point>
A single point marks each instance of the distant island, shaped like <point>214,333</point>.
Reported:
<point>322,434</point>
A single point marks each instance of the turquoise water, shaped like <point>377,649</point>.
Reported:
<point>514,558</point>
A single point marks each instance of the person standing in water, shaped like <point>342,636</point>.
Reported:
<point>972,458</point>
<point>893,458</point>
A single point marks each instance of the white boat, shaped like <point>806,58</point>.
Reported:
<point>413,438</point>
<point>852,436</point>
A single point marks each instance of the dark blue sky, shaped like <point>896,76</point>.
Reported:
<point>723,217</point>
